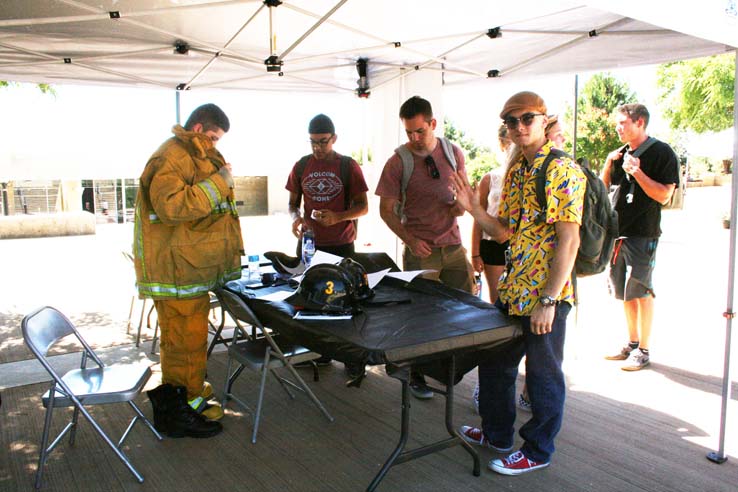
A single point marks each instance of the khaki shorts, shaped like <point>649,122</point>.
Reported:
<point>450,262</point>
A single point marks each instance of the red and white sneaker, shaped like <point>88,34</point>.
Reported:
<point>475,435</point>
<point>515,464</point>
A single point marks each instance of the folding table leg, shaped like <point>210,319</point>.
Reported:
<point>398,456</point>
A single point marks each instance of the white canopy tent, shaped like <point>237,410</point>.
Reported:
<point>388,48</point>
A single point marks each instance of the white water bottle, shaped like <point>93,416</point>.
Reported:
<point>254,269</point>
<point>308,246</point>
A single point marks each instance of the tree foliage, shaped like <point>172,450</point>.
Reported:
<point>596,135</point>
<point>479,159</point>
<point>44,88</point>
<point>698,94</point>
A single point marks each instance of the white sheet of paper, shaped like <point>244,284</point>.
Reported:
<point>376,277</point>
<point>279,295</point>
<point>408,276</point>
<point>321,257</point>
<point>317,316</point>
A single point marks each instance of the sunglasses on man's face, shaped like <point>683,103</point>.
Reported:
<point>320,143</point>
<point>432,168</point>
<point>526,119</point>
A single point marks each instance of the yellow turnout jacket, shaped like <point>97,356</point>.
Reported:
<point>187,236</point>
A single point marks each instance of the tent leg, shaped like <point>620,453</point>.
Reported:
<point>719,456</point>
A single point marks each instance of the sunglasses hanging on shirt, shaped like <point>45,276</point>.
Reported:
<point>432,168</point>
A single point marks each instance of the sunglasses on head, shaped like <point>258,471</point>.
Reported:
<point>432,168</point>
<point>526,119</point>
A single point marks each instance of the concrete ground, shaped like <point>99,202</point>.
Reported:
<point>87,278</point>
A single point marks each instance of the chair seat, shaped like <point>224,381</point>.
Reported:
<point>251,353</point>
<point>95,386</point>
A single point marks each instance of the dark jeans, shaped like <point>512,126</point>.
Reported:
<point>546,389</point>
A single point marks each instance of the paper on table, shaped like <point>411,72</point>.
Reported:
<point>376,277</point>
<point>318,316</point>
<point>321,257</point>
<point>409,276</point>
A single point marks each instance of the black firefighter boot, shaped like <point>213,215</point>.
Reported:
<point>176,417</point>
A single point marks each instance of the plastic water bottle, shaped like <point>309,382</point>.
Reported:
<point>254,269</point>
<point>308,246</point>
<point>478,283</point>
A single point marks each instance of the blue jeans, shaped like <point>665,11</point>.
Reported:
<point>546,389</point>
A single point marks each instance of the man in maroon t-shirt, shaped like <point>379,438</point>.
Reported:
<point>323,190</point>
<point>428,228</point>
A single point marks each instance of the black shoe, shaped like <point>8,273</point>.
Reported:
<point>419,388</point>
<point>174,417</point>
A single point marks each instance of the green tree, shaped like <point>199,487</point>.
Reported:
<point>479,159</point>
<point>698,94</point>
<point>45,88</point>
<point>596,135</point>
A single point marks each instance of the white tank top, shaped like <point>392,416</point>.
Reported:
<point>493,198</point>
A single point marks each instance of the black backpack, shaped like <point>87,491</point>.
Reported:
<point>599,228</point>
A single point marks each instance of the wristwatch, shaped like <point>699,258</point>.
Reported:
<point>547,301</point>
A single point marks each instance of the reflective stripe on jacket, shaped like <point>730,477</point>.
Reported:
<point>187,236</point>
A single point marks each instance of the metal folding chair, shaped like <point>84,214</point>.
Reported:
<point>261,352</point>
<point>82,387</point>
<point>134,296</point>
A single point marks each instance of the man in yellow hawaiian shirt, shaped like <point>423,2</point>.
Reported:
<point>536,288</point>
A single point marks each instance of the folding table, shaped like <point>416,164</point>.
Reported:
<point>444,332</point>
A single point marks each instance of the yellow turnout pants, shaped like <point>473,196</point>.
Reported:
<point>184,342</point>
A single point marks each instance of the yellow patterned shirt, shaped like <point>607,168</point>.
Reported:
<point>532,244</point>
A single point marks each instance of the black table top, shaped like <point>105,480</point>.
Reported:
<point>437,322</point>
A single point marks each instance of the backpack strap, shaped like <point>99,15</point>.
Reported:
<point>408,165</point>
<point>299,171</point>
<point>448,151</point>
<point>644,147</point>
<point>541,181</point>
<point>346,180</point>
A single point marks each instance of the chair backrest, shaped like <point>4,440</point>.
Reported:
<point>237,308</point>
<point>240,311</point>
<point>45,326</point>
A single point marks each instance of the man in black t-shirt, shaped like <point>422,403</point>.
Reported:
<point>644,182</point>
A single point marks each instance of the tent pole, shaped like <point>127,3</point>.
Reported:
<point>576,116</point>
<point>719,456</point>
<point>177,108</point>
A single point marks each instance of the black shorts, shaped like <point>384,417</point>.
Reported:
<point>632,267</point>
<point>492,252</point>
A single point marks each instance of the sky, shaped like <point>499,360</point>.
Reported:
<point>115,130</point>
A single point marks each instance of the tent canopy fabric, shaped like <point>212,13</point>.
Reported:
<point>314,45</point>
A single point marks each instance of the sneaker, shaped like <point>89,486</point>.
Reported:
<point>637,361</point>
<point>524,403</point>
<point>475,398</point>
<point>623,355</point>
<point>354,370</point>
<point>515,464</point>
<point>419,388</point>
<point>475,435</point>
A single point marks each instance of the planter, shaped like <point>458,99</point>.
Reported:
<point>727,166</point>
